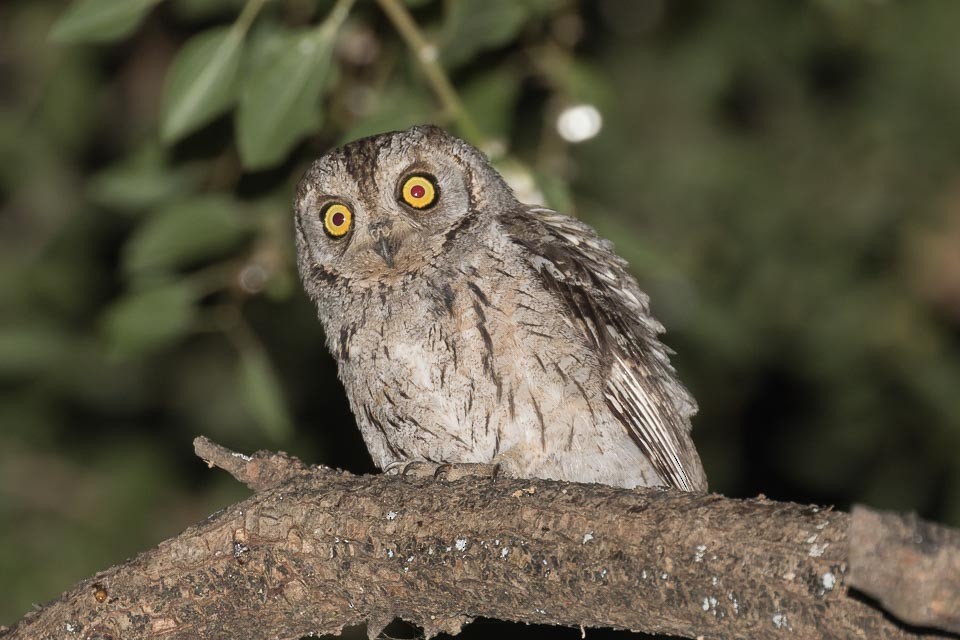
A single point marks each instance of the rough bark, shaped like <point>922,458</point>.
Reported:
<point>315,550</point>
<point>909,566</point>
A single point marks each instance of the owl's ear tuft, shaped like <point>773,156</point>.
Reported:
<point>429,130</point>
<point>433,134</point>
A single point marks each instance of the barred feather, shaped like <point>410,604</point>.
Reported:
<point>613,315</point>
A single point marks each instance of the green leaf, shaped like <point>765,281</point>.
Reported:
<point>73,101</point>
<point>146,320</point>
<point>99,20</point>
<point>202,82</point>
<point>262,392</point>
<point>491,97</point>
<point>31,349</point>
<point>280,100</point>
<point>194,11</point>
<point>185,232</point>
<point>473,26</point>
<point>143,180</point>
<point>395,107</point>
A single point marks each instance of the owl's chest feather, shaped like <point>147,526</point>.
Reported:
<point>464,371</point>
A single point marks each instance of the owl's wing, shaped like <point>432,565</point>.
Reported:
<point>606,304</point>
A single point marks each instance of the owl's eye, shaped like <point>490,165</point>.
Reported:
<point>420,191</point>
<point>337,219</point>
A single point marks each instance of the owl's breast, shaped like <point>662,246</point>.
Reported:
<point>466,370</point>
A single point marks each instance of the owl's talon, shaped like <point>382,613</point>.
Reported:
<point>394,468</point>
<point>419,469</point>
<point>411,468</point>
<point>446,471</point>
<point>457,471</point>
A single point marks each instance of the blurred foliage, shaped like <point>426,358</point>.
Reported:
<point>784,178</point>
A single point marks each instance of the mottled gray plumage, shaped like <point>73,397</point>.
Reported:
<point>482,329</point>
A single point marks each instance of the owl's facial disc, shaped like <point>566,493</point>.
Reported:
<point>386,209</point>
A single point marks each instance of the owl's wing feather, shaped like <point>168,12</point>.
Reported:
<point>606,304</point>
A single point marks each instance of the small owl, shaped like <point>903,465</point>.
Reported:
<point>469,327</point>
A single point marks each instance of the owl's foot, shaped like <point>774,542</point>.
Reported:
<point>456,471</point>
<point>442,471</point>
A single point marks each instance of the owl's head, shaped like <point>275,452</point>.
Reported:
<point>383,207</point>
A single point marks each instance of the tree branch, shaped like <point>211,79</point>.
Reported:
<point>909,566</point>
<point>315,550</point>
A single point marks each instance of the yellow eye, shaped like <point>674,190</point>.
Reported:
<point>337,219</point>
<point>419,191</point>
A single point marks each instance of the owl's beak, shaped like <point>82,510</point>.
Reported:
<point>385,243</point>
<point>386,248</point>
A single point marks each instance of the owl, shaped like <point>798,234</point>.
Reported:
<point>469,327</point>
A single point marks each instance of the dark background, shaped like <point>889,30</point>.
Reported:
<point>784,178</point>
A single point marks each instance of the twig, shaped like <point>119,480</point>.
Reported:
<point>427,57</point>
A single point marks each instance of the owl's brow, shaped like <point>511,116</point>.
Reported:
<point>360,159</point>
